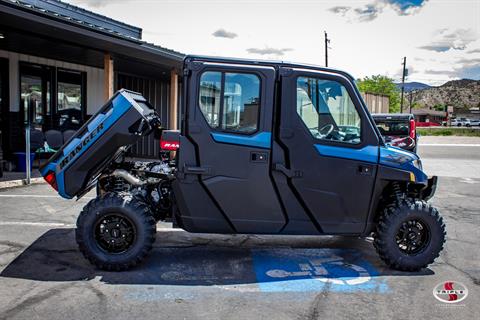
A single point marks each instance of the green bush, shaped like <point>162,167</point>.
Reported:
<point>448,132</point>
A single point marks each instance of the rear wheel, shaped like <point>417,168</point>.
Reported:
<point>409,235</point>
<point>115,231</point>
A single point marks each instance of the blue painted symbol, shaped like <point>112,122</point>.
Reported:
<point>341,270</point>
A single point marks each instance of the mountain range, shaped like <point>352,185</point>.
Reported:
<point>464,93</point>
<point>410,86</point>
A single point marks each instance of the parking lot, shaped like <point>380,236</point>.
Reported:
<point>193,276</point>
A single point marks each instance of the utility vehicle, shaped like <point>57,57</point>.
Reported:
<point>264,148</point>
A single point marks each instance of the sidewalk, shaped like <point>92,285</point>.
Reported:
<point>16,179</point>
<point>448,140</point>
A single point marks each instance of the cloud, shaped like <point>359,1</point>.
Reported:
<point>222,33</point>
<point>437,48</point>
<point>342,10</point>
<point>474,51</point>
<point>468,62</point>
<point>267,50</point>
<point>464,69</point>
<point>449,73</point>
<point>407,7</point>
<point>368,12</point>
<point>372,10</point>
<point>446,40</point>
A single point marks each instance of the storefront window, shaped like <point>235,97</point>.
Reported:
<point>40,85</point>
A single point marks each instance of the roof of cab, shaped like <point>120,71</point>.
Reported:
<point>392,116</point>
<point>274,63</point>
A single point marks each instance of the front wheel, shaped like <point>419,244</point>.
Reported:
<point>115,232</point>
<point>410,235</point>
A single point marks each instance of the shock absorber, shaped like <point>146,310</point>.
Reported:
<point>397,191</point>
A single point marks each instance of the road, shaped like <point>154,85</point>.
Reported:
<point>43,276</point>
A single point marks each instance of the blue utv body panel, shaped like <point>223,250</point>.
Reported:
<point>384,155</point>
<point>260,140</point>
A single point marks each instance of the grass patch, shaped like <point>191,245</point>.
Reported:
<point>436,131</point>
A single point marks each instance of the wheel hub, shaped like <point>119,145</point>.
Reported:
<point>114,233</point>
<point>412,236</point>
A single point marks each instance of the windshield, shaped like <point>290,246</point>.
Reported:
<point>393,128</point>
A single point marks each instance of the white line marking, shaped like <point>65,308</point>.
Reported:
<point>35,224</point>
<point>34,196</point>
<point>449,145</point>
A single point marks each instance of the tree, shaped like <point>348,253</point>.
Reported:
<point>382,85</point>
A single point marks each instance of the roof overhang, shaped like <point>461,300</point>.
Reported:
<point>22,20</point>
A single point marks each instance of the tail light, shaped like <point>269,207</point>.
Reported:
<point>412,129</point>
<point>51,180</point>
<point>169,145</point>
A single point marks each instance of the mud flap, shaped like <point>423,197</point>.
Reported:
<point>430,189</point>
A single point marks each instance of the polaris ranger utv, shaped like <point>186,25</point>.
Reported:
<point>264,148</point>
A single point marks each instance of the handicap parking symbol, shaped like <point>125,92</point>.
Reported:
<point>342,270</point>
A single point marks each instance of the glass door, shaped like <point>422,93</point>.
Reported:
<point>35,94</point>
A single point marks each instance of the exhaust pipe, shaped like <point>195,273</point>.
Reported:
<point>124,174</point>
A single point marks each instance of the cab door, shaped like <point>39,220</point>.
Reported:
<point>329,147</point>
<point>224,182</point>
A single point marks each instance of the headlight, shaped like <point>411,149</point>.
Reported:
<point>417,164</point>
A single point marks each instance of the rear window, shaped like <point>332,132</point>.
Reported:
<point>393,128</point>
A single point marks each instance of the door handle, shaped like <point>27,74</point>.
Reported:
<point>196,170</point>
<point>287,172</point>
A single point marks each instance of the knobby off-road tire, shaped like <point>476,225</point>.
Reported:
<point>400,225</point>
<point>115,231</point>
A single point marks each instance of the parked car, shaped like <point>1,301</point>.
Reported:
<point>397,129</point>
<point>475,123</point>
<point>460,122</point>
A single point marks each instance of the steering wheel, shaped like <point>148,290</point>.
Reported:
<point>326,130</point>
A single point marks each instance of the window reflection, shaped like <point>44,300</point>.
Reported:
<point>31,98</point>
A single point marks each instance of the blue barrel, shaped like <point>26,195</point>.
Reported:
<point>21,161</point>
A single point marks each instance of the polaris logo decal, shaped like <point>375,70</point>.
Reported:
<point>80,146</point>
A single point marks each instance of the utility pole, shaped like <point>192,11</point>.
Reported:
<point>327,41</point>
<point>403,82</point>
<point>410,101</point>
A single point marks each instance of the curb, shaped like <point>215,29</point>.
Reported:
<point>20,183</point>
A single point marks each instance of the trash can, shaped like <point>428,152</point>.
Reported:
<point>21,159</point>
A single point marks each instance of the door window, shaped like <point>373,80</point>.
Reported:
<point>327,110</point>
<point>230,101</point>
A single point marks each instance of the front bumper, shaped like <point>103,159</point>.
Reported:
<point>428,192</point>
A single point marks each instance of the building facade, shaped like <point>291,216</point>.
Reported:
<point>60,63</point>
<point>376,103</point>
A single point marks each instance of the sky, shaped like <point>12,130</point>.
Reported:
<point>440,38</point>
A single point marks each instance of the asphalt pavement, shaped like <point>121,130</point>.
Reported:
<point>192,276</point>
